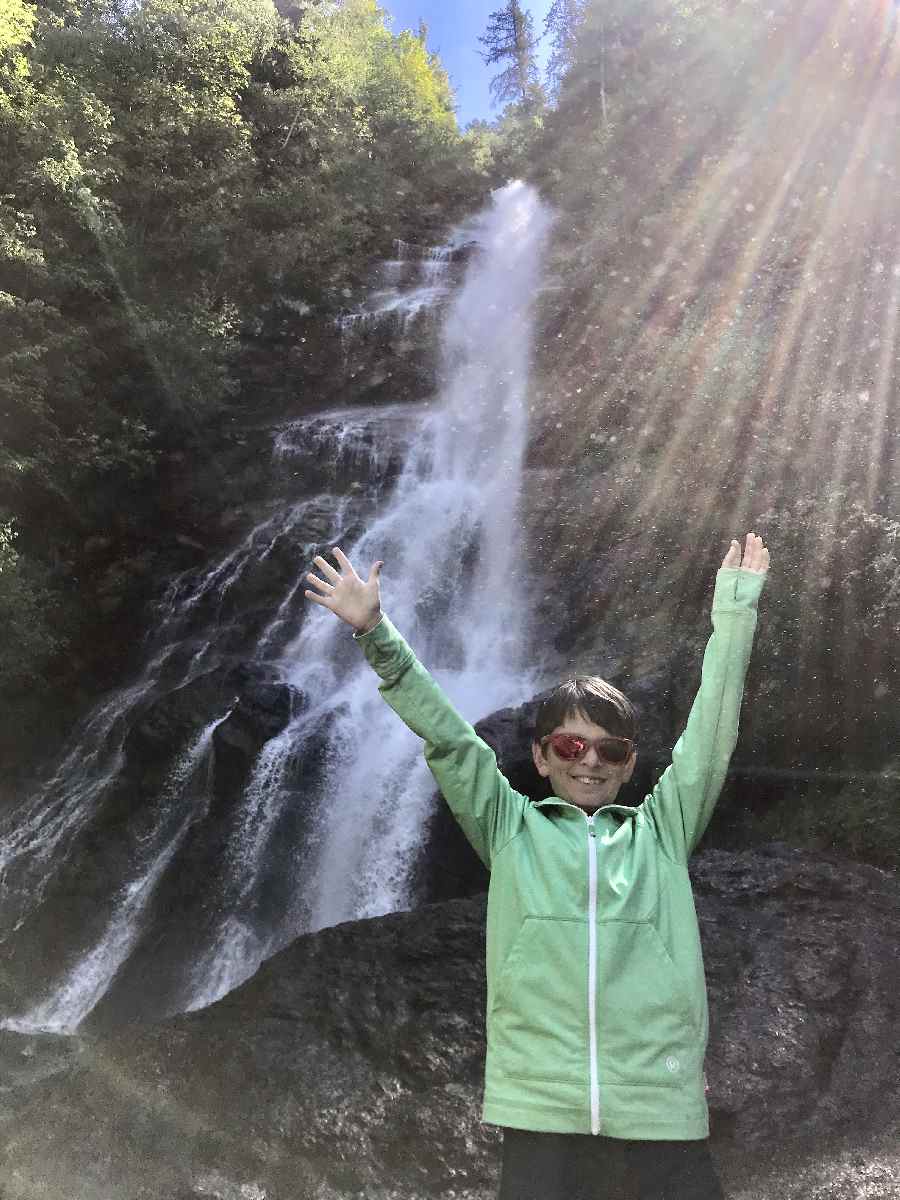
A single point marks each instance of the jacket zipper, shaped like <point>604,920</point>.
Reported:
<point>592,972</point>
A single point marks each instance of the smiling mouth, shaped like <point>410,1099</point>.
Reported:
<point>587,779</point>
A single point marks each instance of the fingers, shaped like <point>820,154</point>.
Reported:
<point>336,590</point>
<point>317,599</point>
<point>327,569</point>
<point>343,561</point>
<point>334,577</point>
<point>756,555</point>
<point>327,588</point>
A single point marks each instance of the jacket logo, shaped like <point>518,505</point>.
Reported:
<point>672,1064</point>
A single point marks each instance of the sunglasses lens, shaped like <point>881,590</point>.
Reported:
<point>614,750</point>
<point>568,747</point>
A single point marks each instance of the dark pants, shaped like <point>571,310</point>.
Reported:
<point>574,1166</point>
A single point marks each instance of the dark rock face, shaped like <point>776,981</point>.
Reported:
<point>139,813</point>
<point>262,708</point>
<point>351,1064</point>
<point>169,721</point>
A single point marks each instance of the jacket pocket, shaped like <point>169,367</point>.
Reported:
<point>648,1029</point>
<point>538,1026</point>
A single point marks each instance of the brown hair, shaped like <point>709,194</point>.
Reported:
<point>598,700</point>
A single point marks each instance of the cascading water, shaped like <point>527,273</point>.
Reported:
<point>456,593</point>
<point>203,878</point>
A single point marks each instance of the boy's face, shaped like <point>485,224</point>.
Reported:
<point>589,782</point>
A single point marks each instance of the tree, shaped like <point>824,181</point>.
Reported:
<point>16,23</point>
<point>562,26</point>
<point>30,622</point>
<point>510,39</point>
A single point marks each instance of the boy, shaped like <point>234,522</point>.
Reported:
<point>596,994</point>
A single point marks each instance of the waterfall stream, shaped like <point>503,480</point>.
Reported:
<point>196,890</point>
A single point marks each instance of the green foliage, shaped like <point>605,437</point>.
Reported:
<point>509,39</point>
<point>823,698</point>
<point>515,137</point>
<point>177,175</point>
<point>410,87</point>
<point>717,331</point>
<point>31,638</point>
<point>16,23</point>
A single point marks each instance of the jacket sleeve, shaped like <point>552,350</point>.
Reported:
<point>682,803</point>
<point>489,811</point>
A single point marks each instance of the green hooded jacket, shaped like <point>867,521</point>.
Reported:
<point>596,995</point>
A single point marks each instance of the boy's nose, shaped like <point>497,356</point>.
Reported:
<point>591,758</point>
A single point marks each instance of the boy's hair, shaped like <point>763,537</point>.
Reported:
<point>598,700</point>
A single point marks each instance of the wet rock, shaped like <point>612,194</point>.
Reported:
<point>264,706</point>
<point>351,1064</point>
<point>183,787</point>
<point>169,721</point>
<point>27,1061</point>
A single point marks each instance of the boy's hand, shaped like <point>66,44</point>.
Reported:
<point>354,601</point>
<point>756,556</point>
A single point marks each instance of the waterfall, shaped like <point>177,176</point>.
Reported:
<point>328,820</point>
<point>90,975</point>
<point>456,592</point>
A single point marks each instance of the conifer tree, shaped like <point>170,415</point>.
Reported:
<point>509,39</point>
<point>561,26</point>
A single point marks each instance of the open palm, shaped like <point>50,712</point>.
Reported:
<point>755,557</point>
<point>354,600</point>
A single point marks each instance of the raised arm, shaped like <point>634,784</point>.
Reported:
<point>489,811</point>
<point>683,800</point>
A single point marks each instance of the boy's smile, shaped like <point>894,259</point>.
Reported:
<point>588,782</point>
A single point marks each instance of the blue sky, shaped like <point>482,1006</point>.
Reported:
<point>454,27</point>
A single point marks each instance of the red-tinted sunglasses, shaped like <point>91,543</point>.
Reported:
<point>612,750</point>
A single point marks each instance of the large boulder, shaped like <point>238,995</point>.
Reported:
<point>262,707</point>
<point>350,1065</point>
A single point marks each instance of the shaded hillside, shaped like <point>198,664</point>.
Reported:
<point>719,353</point>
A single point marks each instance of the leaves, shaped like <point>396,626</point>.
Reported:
<point>177,176</point>
<point>510,39</point>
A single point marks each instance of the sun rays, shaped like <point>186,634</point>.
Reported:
<point>754,345</point>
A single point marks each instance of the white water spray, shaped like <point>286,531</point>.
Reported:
<point>452,582</point>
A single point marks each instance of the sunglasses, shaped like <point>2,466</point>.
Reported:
<point>612,750</point>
